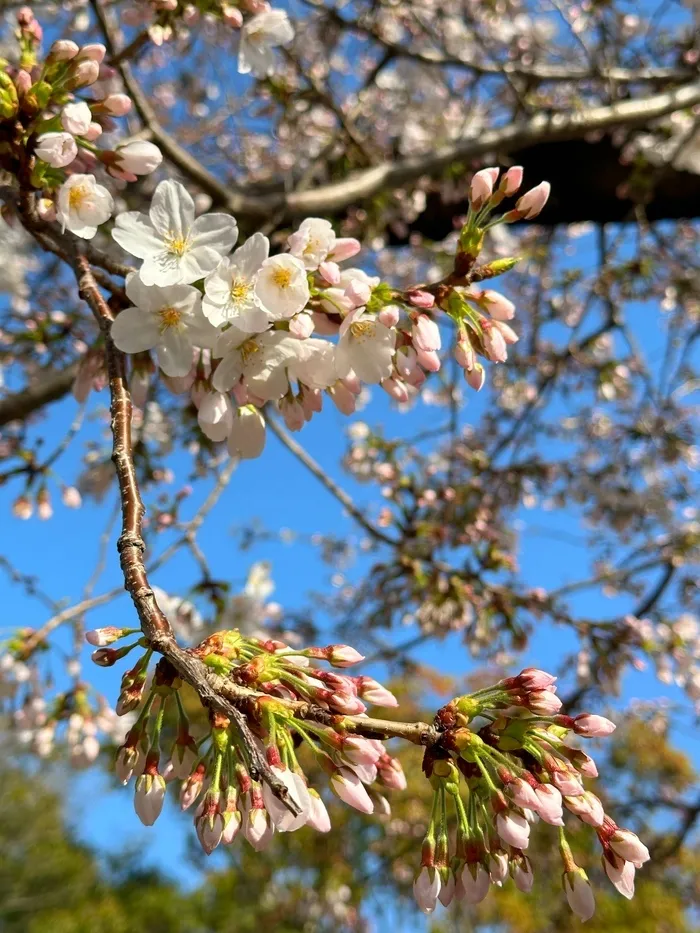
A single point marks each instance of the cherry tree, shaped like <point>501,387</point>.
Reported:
<point>252,217</point>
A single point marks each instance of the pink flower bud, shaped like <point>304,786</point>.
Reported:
<point>532,202</point>
<point>126,763</point>
<point>425,333</point>
<point>329,271</point>
<point>84,74</point>
<point>343,655</point>
<point>391,773</point>
<point>139,157</point>
<point>497,305</point>
<point>292,412</point>
<point>93,133</point>
<point>396,389</point>
<point>318,818</point>
<point>301,326</point>
<point>494,344</point>
<point>513,829</point>
<point>426,889</point>
<point>94,52</point>
<point>481,187</point>
<point>209,823</point>
<point>389,315</point>
<point>118,105</point>
<point>498,867</point>
<point>475,882</point>
<point>506,331</point>
<point>587,807</point>
<point>629,846</point>
<point>192,787</point>
<point>76,118</point>
<point>567,783</point>
<point>421,299</point>
<point>232,16</point>
<point>593,726</point>
<point>71,498</point>
<point>372,691</point>
<point>579,893</point>
<point>549,804</point>
<point>522,874</point>
<point>533,679</point>
<point>512,180</point>
<point>149,797</point>
<point>621,876</point>
<point>346,785</point>
<point>100,637</point>
<point>23,82</point>
<point>475,377</point>
<point>543,702</point>
<point>429,360</point>
<point>258,828</point>
<point>63,51</point>
<point>358,293</point>
<point>523,794</point>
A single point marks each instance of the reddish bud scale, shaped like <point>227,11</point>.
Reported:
<point>498,801</point>
<point>427,859</point>
<point>152,762</point>
<point>273,756</point>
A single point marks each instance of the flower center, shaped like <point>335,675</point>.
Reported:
<point>169,317</point>
<point>176,245</point>
<point>362,329</point>
<point>248,350</point>
<point>282,277</point>
<point>240,289</point>
<point>77,196</point>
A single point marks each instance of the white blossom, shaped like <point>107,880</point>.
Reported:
<point>82,205</point>
<point>366,347</point>
<point>167,320</point>
<point>76,118</point>
<point>57,149</point>
<point>259,36</point>
<point>282,287</point>
<point>139,157</point>
<point>256,359</point>
<point>230,295</point>
<point>176,249</point>
<point>247,437</point>
<point>312,242</point>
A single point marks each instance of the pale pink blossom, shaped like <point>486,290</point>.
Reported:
<point>579,894</point>
<point>347,785</point>
<point>475,882</point>
<point>593,726</point>
<point>426,889</point>
<point>149,797</point>
<point>513,829</point>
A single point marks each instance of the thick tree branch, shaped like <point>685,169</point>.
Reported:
<point>50,386</point>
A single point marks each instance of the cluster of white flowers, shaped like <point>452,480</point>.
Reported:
<point>237,329</point>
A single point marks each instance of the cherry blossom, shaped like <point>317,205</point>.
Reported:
<point>82,205</point>
<point>176,249</point>
<point>230,295</point>
<point>259,36</point>
<point>169,320</point>
<point>281,286</point>
<point>58,149</point>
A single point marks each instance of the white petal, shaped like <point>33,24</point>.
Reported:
<point>249,257</point>
<point>172,210</point>
<point>228,372</point>
<point>217,231</point>
<point>198,262</point>
<point>134,233</point>
<point>175,353</point>
<point>135,330</point>
<point>163,269</point>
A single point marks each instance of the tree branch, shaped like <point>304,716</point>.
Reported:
<point>50,386</point>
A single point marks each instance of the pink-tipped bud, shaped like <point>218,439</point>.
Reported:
<point>62,51</point>
<point>94,52</point>
<point>84,74</point>
<point>426,889</point>
<point>593,726</point>
<point>629,846</point>
<point>389,315</point>
<point>421,299</point>
<point>117,105</point>
<point>494,344</point>
<point>425,334</point>
<point>531,678</point>
<point>358,293</point>
<point>476,377</point>
<point>329,271</point>
<point>347,785</point>
<point>149,797</point>
<point>511,181</point>
<point>579,893</point>
<point>481,187</point>
<point>372,691</point>
<point>343,655</point>
<point>345,248</point>
<point>533,201</point>
<point>101,637</point>
<point>497,305</point>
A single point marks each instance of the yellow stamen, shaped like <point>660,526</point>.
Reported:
<point>169,317</point>
<point>248,349</point>
<point>361,329</point>
<point>240,289</point>
<point>176,245</point>
<point>282,277</point>
<point>77,196</point>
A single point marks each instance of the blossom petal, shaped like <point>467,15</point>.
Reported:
<point>175,353</point>
<point>135,330</point>
<point>198,262</point>
<point>172,210</point>
<point>134,233</point>
<point>249,257</point>
<point>217,231</point>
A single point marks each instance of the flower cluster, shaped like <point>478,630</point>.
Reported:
<point>246,329</point>
<point>216,769</point>
<point>507,749</point>
<point>261,32</point>
<point>55,151</point>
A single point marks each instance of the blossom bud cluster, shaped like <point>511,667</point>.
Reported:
<point>507,749</point>
<point>216,772</point>
<point>57,150</point>
<point>243,329</point>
